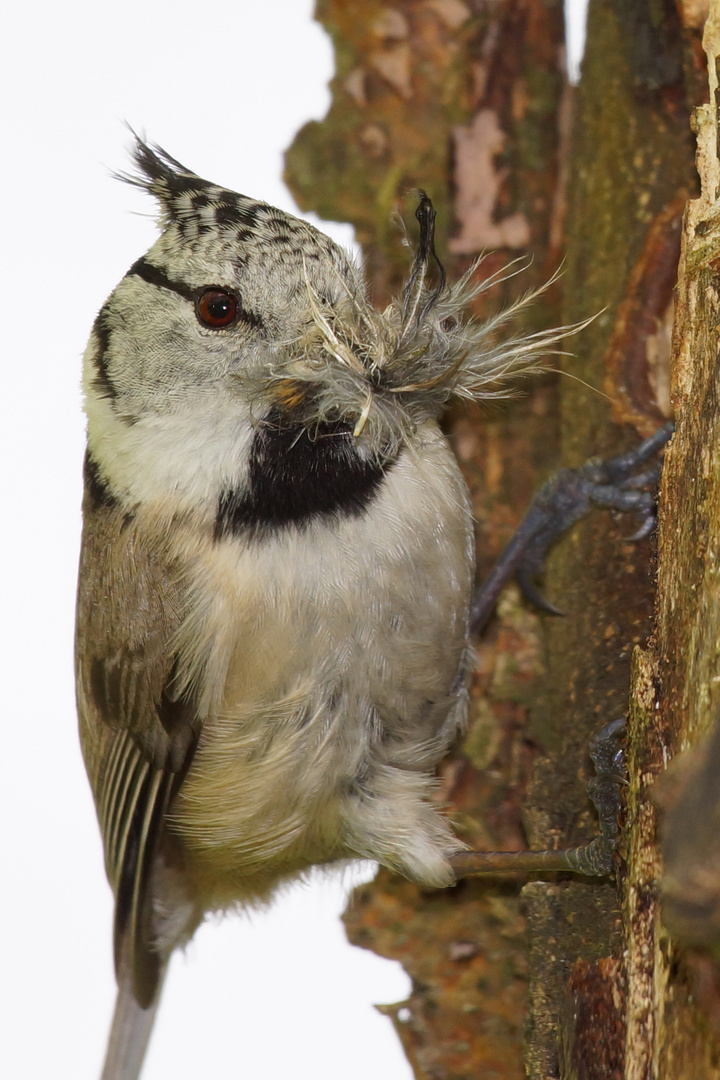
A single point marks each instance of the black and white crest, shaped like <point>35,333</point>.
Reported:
<point>196,207</point>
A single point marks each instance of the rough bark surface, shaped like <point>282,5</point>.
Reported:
<point>467,100</point>
<point>674,1020</point>
<point>630,174</point>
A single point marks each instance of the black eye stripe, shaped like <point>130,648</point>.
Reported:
<point>155,276</point>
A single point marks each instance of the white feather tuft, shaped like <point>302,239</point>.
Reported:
<point>386,373</point>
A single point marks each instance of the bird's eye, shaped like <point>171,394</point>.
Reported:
<point>216,308</point>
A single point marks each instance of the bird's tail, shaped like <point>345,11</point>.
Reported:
<point>130,1031</point>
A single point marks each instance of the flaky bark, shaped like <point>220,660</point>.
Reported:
<point>674,1018</point>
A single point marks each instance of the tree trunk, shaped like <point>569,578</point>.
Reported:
<point>468,101</point>
<point>674,1000</point>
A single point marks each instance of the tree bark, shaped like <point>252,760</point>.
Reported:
<point>674,1014</point>
<point>630,174</point>
<point>468,101</point>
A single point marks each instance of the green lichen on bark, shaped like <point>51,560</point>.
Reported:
<point>678,1029</point>
<point>630,156</point>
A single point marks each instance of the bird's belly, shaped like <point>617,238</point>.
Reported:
<point>345,660</point>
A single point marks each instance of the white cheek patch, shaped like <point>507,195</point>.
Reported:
<point>192,454</point>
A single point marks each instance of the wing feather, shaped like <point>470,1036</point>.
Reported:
<point>138,736</point>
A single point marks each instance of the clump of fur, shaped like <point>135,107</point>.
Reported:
<point>388,372</point>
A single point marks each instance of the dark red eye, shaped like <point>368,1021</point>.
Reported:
<point>216,308</point>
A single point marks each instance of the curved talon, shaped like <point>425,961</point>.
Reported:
<point>532,593</point>
<point>645,529</point>
<point>611,728</point>
<point>624,464</point>
<point>605,751</point>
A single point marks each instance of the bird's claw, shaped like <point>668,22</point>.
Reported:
<point>594,859</point>
<point>616,484</point>
<point>608,757</point>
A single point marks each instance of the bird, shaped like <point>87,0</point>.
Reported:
<point>273,615</point>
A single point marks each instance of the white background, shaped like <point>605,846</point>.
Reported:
<point>224,88</point>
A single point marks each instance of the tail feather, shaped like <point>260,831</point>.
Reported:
<point>130,1031</point>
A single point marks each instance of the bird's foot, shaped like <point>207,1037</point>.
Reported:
<point>620,483</point>
<point>594,859</point>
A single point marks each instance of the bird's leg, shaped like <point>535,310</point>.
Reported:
<point>593,859</point>
<point>619,483</point>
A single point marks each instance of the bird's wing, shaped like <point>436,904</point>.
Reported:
<point>138,728</point>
